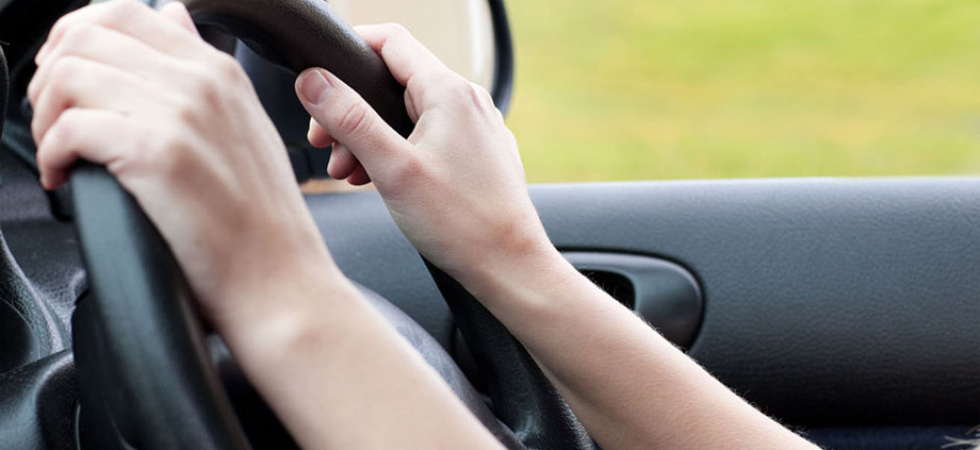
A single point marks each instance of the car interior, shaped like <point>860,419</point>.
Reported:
<point>847,309</point>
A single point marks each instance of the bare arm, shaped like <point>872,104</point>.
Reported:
<point>457,190</point>
<point>179,125</point>
<point>326,361</point>
<point>630,386</point>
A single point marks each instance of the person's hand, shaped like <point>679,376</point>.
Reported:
<point>456,186</point>
<point>178,123</point>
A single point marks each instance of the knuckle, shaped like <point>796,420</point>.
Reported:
<point>206,88</point>
<point>511,138</point>
<point>61,137</point>
<point>470,97</point>
<point>74,34</point>
<point>68,64</point>
<point>458,87</point>
<point>453,82</point>
<point>122,9</point>
<point>227,68</point>
<point>397,30</point>
<point>481,97</point>
<point>354,119</point>
<point>210,81</point>
<point>116,11</point>
<point>442,85</point>
<point>62,132</point>
<point>62,25</point>
<point>187,109</point>
<point>166,154</point>
<point>67,72</point>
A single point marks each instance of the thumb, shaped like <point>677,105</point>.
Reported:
<point>349,119</point>
<point>177,13</point>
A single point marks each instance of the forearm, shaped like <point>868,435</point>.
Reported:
<point>630,386</point>
<point>325,360</point>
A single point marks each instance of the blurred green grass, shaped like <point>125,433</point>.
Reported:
<point>666,89</point>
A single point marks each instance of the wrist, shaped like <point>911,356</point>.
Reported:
<point>260,327</point>
<point>514,278</point>
<point>275,293</point>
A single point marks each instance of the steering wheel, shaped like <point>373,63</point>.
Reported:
<point>145,372</point>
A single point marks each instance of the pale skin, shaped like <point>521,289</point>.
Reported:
<point>180,126</point>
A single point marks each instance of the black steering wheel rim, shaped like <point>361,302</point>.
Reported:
<point>142,360</point>
<point>138,343</point>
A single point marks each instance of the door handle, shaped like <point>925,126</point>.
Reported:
<point>664,294</point>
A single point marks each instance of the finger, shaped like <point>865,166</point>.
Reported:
<point>411,63</point>
<point>405,56</point>
<point>342,163</point>
<point>89,134</point>
<point>102,45</point>
<point>131,18</point>
<point>86,84</point>
<point>317,136</point>
<point>360,176</point>
<point>178,14</point>
<point>344,115</point>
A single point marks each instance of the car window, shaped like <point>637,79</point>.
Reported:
<point>664,89</point>
<point>459,31</point>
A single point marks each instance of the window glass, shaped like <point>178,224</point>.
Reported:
<point>663,89</point>
<point>458,31</point>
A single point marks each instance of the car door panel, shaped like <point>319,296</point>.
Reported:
<point>828,302</point>
<point>831,304</point>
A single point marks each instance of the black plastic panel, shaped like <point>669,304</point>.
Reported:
<point>827,302</point>
<point>664,294</point>
<point>38,405</point>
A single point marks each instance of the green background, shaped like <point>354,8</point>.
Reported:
<point>666,89</point>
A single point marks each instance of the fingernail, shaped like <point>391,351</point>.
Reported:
<point>314,87</point>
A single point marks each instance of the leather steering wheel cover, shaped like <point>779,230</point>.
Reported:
<point>315,36</point>
<point>143,366</point>
<point>154,352</point>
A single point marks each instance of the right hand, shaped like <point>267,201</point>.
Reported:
<point>456,186</point>
<point>179,125</point>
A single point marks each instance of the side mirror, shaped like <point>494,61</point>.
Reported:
<point>471,36</point>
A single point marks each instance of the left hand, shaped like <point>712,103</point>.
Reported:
<point>456,185</point>
<point>179,124</point>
